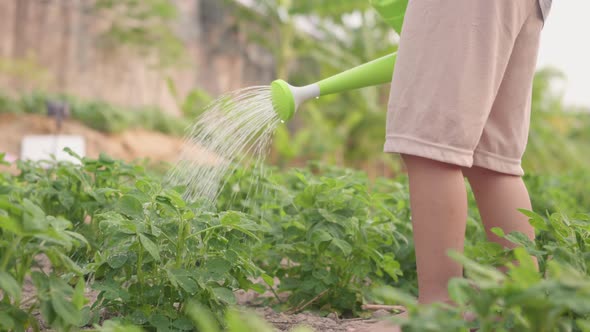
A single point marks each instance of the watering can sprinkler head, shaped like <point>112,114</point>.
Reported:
<point>282,99</point>
<point>286,98</point>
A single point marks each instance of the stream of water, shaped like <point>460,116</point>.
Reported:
<point>234,129</point>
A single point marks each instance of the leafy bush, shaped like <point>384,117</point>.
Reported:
<point>148,251</point>
<point>330,236</point>
<point>27,234</point>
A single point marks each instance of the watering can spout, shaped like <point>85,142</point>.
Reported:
<point>287,98</point>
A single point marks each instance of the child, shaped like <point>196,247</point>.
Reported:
<point>459,107</point>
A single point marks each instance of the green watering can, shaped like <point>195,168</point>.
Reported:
<point>287,98</point>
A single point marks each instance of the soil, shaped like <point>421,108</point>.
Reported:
<point>282,321</point>
<point>130,145</point>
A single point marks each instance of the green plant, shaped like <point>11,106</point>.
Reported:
<point>329,237</point>
<point>555,298</point>
<point>28,237</point>
<point>164,252</point>
<point>325,236</point>
<point>148,250</point>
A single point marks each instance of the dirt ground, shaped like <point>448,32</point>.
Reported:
<point>284,322</point>
<point>130,145</point>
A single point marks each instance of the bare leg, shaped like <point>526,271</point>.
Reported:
<point>439,214</point>
<point>498,197</point>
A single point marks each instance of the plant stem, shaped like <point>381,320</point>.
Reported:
<point>8,254</point>
<point>181,239</point>
<point>140,265</point>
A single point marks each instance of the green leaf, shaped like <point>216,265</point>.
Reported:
<point>33,217</point>
<point>138,317</point>
<point>498,231</point>
<point>78,299</point>
<point>160,322</point>
<point>176,198</point>
<point>111,290</point>
<point>391,266</point>
<point>117,260</point>
<point>11,225</point>
<point>105,159</point>
<point>10,286</point>
<point>395,296</point>
<point>183,324</point>
<point>225,295</point>
<point>344,246</point>
<point>64,309</point>
<point>131,206</point>
<point>536,220</point>
<point>320,236</point>
<point>458,290</point>
<point>6,322</point>
<point>230,218</point>
<point>72,153</point>
<point>202,317</point>
<point>116,326</point>
<point>268,279</point>
<point>307,198</point>
<point>81,239</point>
<point>59,258</point>
<point>217,267</point>
<point>144,186</point>
<point>66,199</point>
<point>149,246</point>
<point>520,239</point>
<point>183,279</point>
<point>485,274</point>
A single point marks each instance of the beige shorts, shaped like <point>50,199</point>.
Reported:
<point>461,89</point>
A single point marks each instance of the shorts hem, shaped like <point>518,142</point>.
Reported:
<point>497,163</point>
<point>435,151</point>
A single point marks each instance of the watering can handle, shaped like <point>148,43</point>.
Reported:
<point>376,72</point>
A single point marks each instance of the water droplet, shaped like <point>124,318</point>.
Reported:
<point>282,121</point>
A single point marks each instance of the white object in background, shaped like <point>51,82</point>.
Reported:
<point>42,147</point>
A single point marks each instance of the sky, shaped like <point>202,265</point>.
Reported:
<point>565,44</point>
